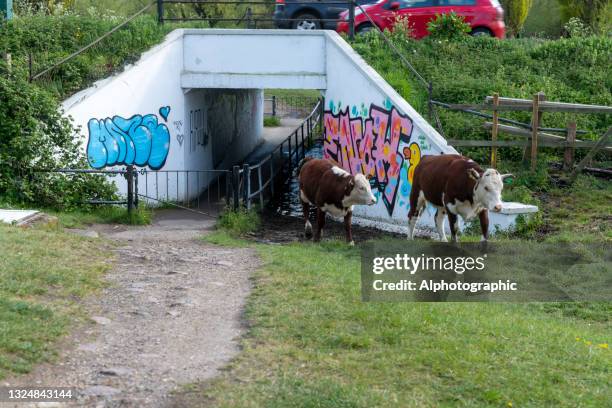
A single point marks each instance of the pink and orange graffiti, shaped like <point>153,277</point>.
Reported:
<point>372,146</point>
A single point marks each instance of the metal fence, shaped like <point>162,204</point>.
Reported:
<point>289,106</point>
<point>257,14</point>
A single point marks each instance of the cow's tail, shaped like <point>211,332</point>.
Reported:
<point>301,164</point>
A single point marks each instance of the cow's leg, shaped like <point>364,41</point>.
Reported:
<point>417,203</point>
<point>307,224</point>
<point>347,227</point>
<point>320,224</point>
<point>452,222</point>
<point>484,224</point>
<point>440,224</point>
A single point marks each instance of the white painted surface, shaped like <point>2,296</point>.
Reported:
<point>15,216</point>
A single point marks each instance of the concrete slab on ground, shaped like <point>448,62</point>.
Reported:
<point>16,216</point>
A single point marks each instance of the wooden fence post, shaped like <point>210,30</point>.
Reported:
<point>494,130</point>
<point>570,138</point>
<point>536,120</point>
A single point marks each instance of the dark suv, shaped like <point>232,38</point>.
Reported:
<point>310,15</point>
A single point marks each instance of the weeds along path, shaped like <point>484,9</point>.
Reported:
<point>171,315</point>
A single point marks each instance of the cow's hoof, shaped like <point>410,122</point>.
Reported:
<point>352,243</point>
<point>308,234</point>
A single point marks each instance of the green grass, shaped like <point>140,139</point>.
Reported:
<point>271,121</point>
<point>292,93</point>
<point>314,343</point>
<point>581,212</point>
<point>103,215</point>
<point>42,274</point>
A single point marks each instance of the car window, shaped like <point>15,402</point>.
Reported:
<point>416,3</point>
<point>456,2</point>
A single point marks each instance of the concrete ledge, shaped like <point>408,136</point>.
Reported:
<point>290,80</point>
<point>518,208</point>
<point>17,216</point>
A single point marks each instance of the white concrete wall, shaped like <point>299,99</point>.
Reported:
<point>254,59</point>
<point>371,129</point>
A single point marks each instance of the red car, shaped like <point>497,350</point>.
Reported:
<point>485,16</point>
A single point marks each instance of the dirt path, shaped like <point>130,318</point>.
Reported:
<point>170,316</point>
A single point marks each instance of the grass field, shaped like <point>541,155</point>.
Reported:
<point>43,274</point>
<point>314,343</point>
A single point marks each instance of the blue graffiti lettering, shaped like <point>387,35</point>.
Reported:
<point>139,140</point>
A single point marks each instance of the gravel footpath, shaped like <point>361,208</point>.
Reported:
<point>171,315</point>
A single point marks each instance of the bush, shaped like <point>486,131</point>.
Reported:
<point>271,121</point>
<point>576,28</point>
<point>36,136</point>
<point>448,26</point>
<point>239,222</point>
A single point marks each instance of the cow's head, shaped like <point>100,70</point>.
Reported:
<point>488,188</point>
<point>359,191</point>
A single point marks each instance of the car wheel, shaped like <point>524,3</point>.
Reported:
<point>481,32</point>
<point>364,28</point>
<point>306,22</point>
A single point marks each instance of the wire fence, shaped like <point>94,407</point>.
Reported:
<point>289,105</point>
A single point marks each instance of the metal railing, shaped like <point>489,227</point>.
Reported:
<point>250,18</point>
<point>260,179</point>
<point>201,191</point>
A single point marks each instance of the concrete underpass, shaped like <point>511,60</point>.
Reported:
<point>196,102</point>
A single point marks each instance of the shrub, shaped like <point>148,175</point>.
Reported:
<point>271,121</point>
<point>516,12</point>
<point>35,135</point>
<point>239,222</point>
<point>576,28</point>
<point>448,26</point>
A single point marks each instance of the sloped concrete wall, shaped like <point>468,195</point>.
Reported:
<point>371,129</point>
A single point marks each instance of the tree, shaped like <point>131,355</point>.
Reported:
<point>594,13</point>
<point>516,13</point>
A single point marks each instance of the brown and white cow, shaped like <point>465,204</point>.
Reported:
<point>331,189</point>
<point>456,186</point>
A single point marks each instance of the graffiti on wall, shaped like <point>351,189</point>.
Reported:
<point>370,144</point>
<point>139,140</point>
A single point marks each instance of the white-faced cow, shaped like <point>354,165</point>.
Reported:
<point>455,185</point>
<point>328,187</point>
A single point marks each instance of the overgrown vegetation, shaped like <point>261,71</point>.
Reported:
<point>448,26</point>
<point>35,136</point>
<point>568,70</point>
<point>240,222</point>
<point>42,274</point>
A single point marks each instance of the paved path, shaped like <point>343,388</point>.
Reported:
<point>272,137</point>
<point>171,315</point>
